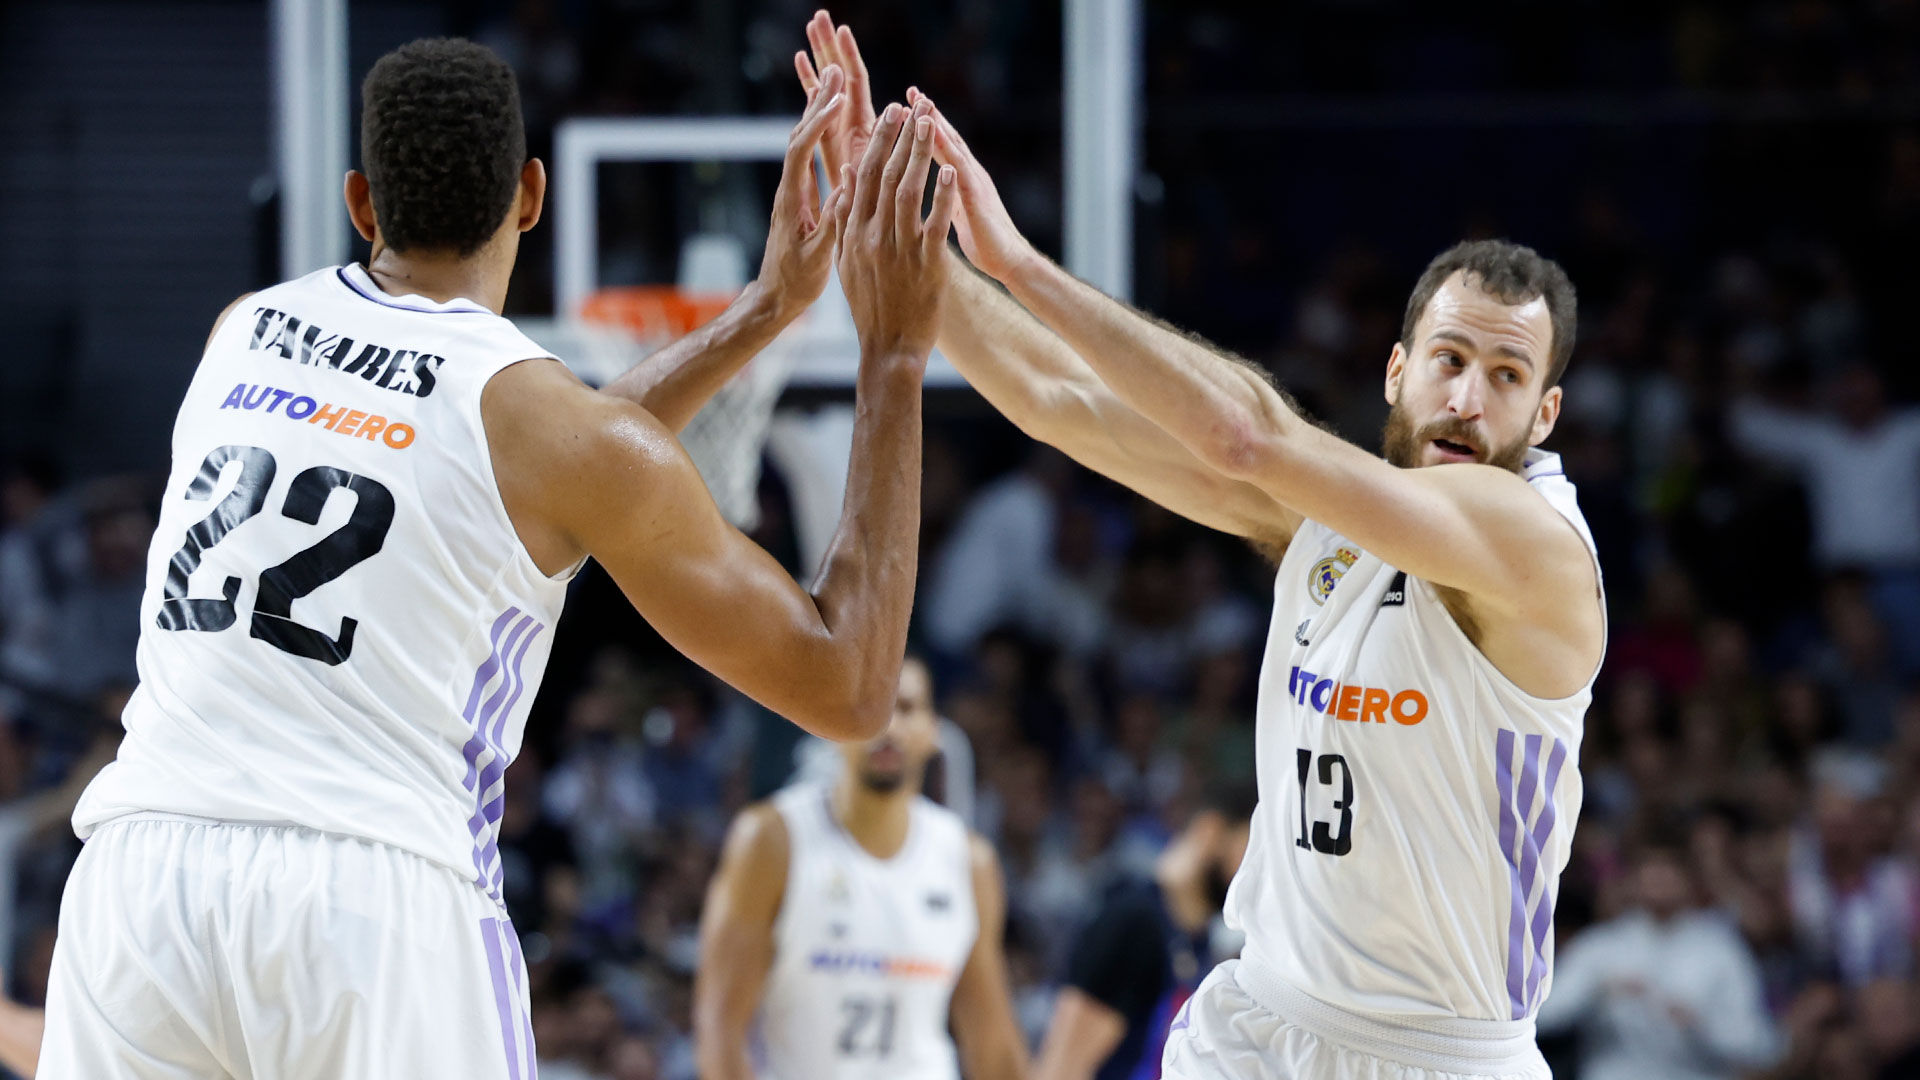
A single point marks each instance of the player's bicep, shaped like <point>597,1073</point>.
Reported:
<point>1475,528</point>
<point>623,489</point>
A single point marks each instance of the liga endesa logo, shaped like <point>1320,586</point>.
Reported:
<point>1360,704</point>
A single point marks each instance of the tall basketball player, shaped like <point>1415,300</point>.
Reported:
<point>380,490</point>
<point>1437,627</point>
<point>851,926</point>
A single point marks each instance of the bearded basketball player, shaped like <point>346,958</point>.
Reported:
<point>1438,624</point>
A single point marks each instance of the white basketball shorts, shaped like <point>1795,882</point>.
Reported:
<point>1225,1033</point>
<point>194,950</point>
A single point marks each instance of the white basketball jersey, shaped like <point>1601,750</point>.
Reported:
<point>866,950</point>
<point>341,628</point>
<point>1416,808</point>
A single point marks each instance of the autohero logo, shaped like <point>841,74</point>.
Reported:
<point>1355,703</point>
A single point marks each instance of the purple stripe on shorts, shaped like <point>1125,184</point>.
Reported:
<point>502,997</point>
<point>1543,912</point>
<point>1517,899</point>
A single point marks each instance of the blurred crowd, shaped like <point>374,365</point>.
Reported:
<point>1744,895</point>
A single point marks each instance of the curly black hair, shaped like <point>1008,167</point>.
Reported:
<point>442,143</point>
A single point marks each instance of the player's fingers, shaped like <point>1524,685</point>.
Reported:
<point>886,131</point>
<point>848,52</point>
<point>896,168</point>
<point>813,122</point>
<point>843,210</point>
<point>912,185</point>
<point>831,215</point>
<point>940,217</point>
<point>820,38</point>
<point>803,67</point>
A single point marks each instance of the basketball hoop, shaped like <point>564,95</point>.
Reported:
<point>725,438</point>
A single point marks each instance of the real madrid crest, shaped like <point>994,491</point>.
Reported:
<point>1328,571</point>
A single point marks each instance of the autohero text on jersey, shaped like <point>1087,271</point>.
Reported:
<point>352,423</point>
<point>1362,704</point>
<point>404,371</point>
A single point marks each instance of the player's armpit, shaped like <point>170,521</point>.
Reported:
<point>736,941</point>
<point>1081,1036</point>
<point>1040,384</point>
<point>984,1029</point>
<point>584,473</point>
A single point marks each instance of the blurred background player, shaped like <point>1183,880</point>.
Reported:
<point>1437,628</point>
<point>851,927</point>
<point>381,490</point>
<point>1145,950</point>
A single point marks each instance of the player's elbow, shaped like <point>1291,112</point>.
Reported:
<point>1239,448</point>
<point>855,715</point>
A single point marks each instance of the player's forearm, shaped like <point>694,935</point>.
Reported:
<point>21,1030</point>
<point>1215,406</point>
<point>1005,354</point>
<point>674,382</point>
<point>865,588</point>
<point>720,1057</point>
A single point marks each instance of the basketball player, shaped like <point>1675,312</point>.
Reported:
<point>380,490</point>
<point>850,925</point>
<point>1437,627</point>
<point>1144,951</point>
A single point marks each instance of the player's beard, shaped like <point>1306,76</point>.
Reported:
<point>882,781</point>
<point>1401,442</point>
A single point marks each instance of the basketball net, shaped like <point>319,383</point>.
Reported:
<point>726,436</point>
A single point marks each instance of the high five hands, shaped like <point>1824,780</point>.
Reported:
<point>987,233</point>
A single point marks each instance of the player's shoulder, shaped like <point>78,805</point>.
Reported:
<point>225,312</point>
<point>759,836</point>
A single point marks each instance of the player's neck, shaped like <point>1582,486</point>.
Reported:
<point>442,278</point>
<point>877,821</point>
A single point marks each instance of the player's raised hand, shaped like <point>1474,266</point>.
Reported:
<point>800,239</point>
<point>892,262</point>
<point>986,230</point>
<point>845,142</point>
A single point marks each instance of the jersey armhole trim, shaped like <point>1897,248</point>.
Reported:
<point>499,503</point>
<point>1493,669</point>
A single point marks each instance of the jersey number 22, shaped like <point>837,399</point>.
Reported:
<point>334,554</point>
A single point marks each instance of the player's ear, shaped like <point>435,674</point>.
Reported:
<point>1396,367</point>
<point>359,195</point>
<point>533,194</point>
<point>1545,416</point>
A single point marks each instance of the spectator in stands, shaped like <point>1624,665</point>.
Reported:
<point>1666,990</point>
<point>1860,463</point>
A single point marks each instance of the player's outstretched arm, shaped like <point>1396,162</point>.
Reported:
<point>674,382</point>
<point>736,941</point>
<point>984,1029</point>
<point>587,473</point>
<point>1025,370</point>
<point>1476,529</point>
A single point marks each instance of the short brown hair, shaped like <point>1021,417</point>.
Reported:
<point>1510,273</point>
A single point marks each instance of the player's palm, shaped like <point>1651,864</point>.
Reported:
<point>800,238</point>
<point>987,234</point>
<point>892,260</point>
<point>846,139</point>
